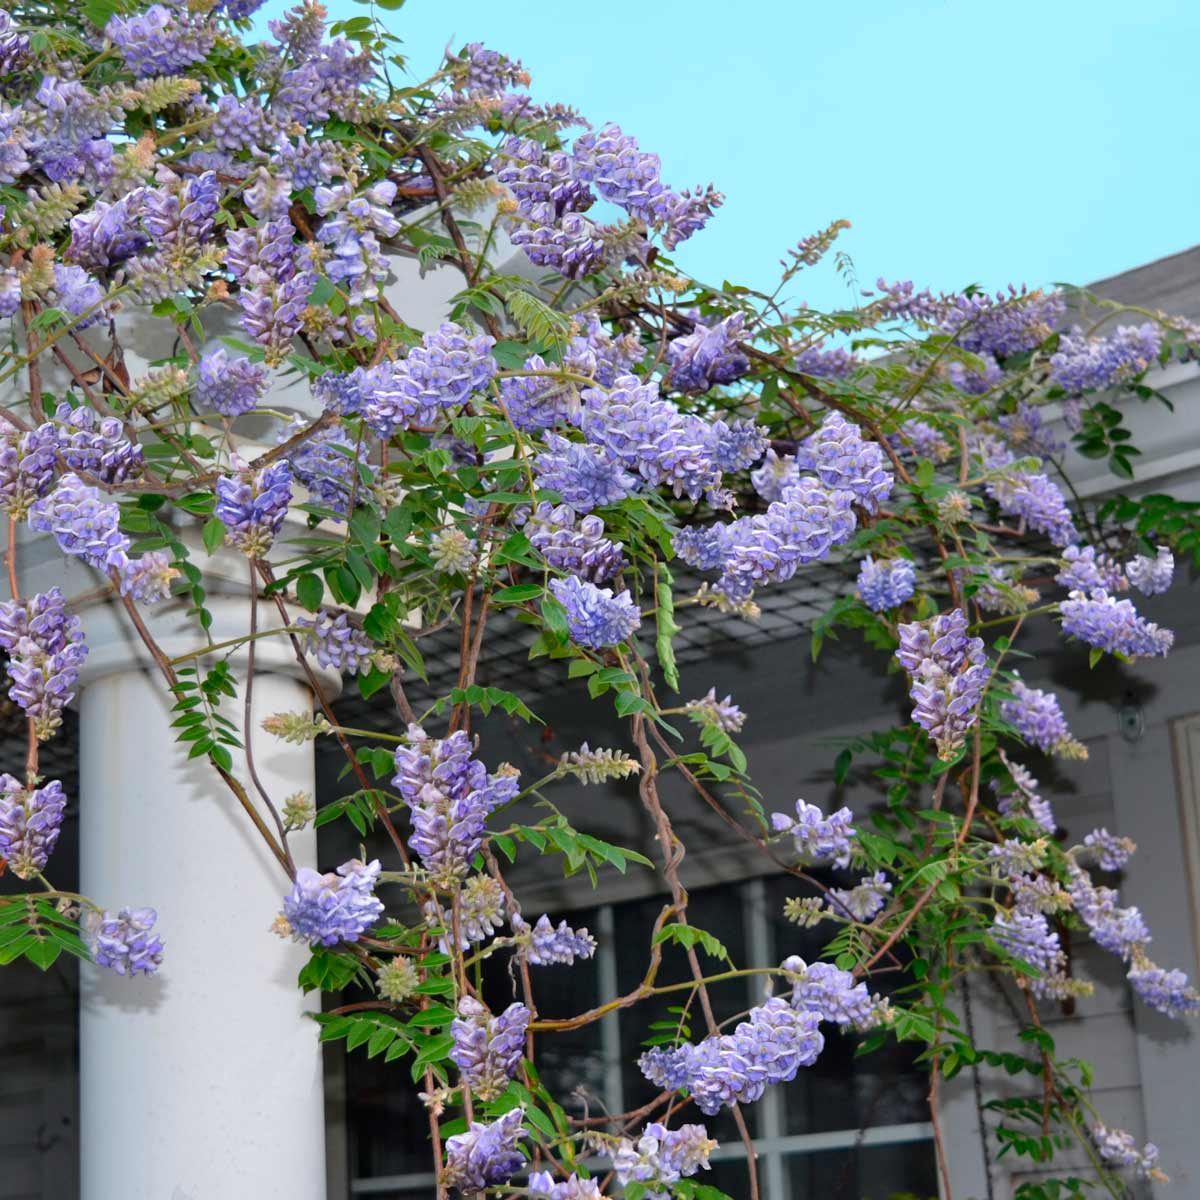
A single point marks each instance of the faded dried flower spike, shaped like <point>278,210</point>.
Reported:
<point>597,766</point>
<point>296,727</point>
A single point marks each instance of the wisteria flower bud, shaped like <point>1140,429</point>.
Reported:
<point>397,980</point>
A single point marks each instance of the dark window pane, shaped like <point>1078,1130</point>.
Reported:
<point>730,1175</point>
<point>571,1064</point>
<point>719,912</point>
<point>388,1125</point>
<point>868,1173</point>
<point>842,1091</point>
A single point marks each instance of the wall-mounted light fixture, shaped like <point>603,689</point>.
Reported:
<point>1131,718</point>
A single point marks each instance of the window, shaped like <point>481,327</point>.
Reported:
<point>846,1129</point>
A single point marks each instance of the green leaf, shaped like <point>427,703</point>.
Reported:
<point>365,527</point>
<point>213,534</point>
<point>100,12</point>
<point>517,594</point>
<point>310,590</point>
<point>43,953</point>
<point>434,1051</point>
<point>689,937</point>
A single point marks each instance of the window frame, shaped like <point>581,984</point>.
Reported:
<point>772,1145</point>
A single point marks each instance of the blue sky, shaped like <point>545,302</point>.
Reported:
<point>966,141</point>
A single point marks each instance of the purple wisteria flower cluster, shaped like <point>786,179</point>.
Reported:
<point>337,643</point>
<point>769,1047</point>
<point>1084,569</point>
<point>46,650</point>
<point>817,836</point>
<point>1123,931</point>
<point>885,584</point>
<point>487,1050</point>
<point>1085,364</point>
<point>1113,625</point>
<point>30,821</point>
<point>486,1154</point>
<point>662,1156</point>
<point>95,445</point>
<point>1111,852</point>
<point>441,374</point>
<point>1028,936</point>
<point>596,617</point>
<point>330,464</point>
<point>481,908</point>
<point>124,943</point>
<point>832,994</point>
<point>253,506</point>
<point>708,356</point>
<point>27,462</point>
<point>84,525</point>
<point>573,544</point>
<point>861,902</point>
<point>229,385</point>
<point>721,714</point>
<point>1151,576</point>
<point>551,191</point>
<point>336,907</point>
<point>843,460</point>
<point>450,795</point>
<point>1025,799</point>
<point>1120,1149</point>
<point>547,945</point>
<point>1037,501</point>
<point>559,454</point>
<point>948,672</point>
<point>1038,717</point>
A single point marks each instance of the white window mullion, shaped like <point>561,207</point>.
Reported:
<point>610,1025</point>
<point>770,1108</point>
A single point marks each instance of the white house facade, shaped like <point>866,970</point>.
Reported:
<point>208,1083</point>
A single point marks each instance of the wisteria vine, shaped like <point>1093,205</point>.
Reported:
<point>591,443</point>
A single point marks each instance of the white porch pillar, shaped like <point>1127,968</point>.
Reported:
<point>203,1082</point>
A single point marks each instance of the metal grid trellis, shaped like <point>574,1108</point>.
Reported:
<point>786,612</point>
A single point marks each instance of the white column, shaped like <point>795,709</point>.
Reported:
<point>203,1082</point>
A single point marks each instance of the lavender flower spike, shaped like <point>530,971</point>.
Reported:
<point>336,643</point>
<point>948,673</point>
<point>30,820</point>
<point>83,525</point>
<point>548,946</point>
<point>1152,575</point>
<point>595,617</point>
<point>663,1156</point>
<point>1038,717</point>
<point>486,1154</point>
<point>487,1050</point>
<point>326,909</point>
<point>886,584</point>
<point>124,943</point>
<point>450,796</point>
<point>817,836</point>
<point>253,508</point>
